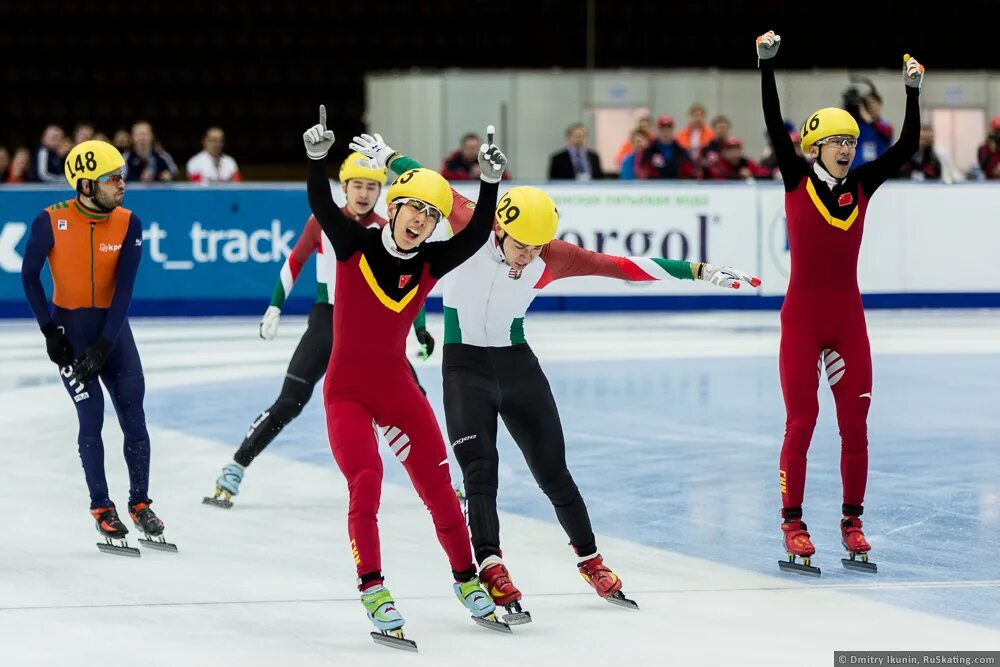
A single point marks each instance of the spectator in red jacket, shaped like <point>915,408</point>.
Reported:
<point>733,165</point>
<point>988,154</point>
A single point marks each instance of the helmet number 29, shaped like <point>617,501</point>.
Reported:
<point>83,162</point>
<point>508,212</point>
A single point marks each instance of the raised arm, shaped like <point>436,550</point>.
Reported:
<point>791,165</point>
<point>566,260</point>
<point>887,165</point>
<point>345,235</point>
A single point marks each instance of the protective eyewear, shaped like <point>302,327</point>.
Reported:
<point>115,177</point>
<point>433,213</point>
<point>846,142</point>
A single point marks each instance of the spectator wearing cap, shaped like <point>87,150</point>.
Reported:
<point>632,166</point>
<point>988,154</point>
<point>576,161</point>
<point>732,164</point>
<point>50,156</point>
<point>665,158</point>
<point>696,133</point>
<point>211,165</point>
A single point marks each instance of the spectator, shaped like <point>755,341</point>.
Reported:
<point>768,162</point>
<point>211,165</point>
<point>122,140</point>
<point>20,166</point>
<point>645,125</point>
<point>733,165</point>
<point>696,133</point>
<point>50,156</point>
<point>144,162</point>
<point>576,161</point>
<point>4,163</point>
<point>712,151</point>
<point>665,158</point>
<point>632,165</point>
<point>875,135</point>
<point>463,164</point>
<point>988,154</point>
<point>82,132</point>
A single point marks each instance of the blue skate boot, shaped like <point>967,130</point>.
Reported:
<point>227,486</point>
<point>471,594</point>
<point>383,614</point>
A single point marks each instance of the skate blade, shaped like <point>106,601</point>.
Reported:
<point>392,641</point>
<point>491,622</point>
<point>123,550</point>
<point>798,568</point>
<point>158,544</point>
<point>619,600</point>
<point>217,502</point>
<point>865,566</point>
<point>517,618</point>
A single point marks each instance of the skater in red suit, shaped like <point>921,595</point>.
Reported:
<point>383,277</point>
<point>822,319</point>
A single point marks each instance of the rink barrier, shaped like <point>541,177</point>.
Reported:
<point>218,250</point>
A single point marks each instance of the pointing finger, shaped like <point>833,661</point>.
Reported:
<point>322,115</point>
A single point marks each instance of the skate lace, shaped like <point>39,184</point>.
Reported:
<point>110,518</point>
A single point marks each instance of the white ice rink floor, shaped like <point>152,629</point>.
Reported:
<point>673,426</point>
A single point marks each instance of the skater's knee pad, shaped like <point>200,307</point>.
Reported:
<point>560,489</point>
<point>799,429</point>
<point>480,477</point>
<point>287,408</point>
<point>854,436</point>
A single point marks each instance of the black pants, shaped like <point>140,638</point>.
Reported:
<point>307,367</point>
<point>481,383</point>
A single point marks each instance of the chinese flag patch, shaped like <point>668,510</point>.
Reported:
<point>845,199</point>
<point>405,280</point>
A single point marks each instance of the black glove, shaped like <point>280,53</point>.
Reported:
<point>425,338</point>
<point>57,344</point>
<point>88,365</point>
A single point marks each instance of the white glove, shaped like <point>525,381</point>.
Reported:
<point>767,45</point>
<point>374,148</point>
<point>318,139</point>
<point>269,323</point>
<point>726,276</point>
<point>492,161</point>
<point>913,72</point>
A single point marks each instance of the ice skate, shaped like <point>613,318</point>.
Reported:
<point>226,486</point>
<point>857,546</point>
<point>496,580</point>
<point>386,618</point>
<point>110,526</point>
<point>146,520</point>
<point>471,594</point>
<point>604,582</point>
<point>798,545</point>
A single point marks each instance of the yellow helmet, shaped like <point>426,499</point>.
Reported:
<point>528,215</point>
<point>827,122</point>
<point>424,184</point>
<point>91,159</point>
<point>358,166</point>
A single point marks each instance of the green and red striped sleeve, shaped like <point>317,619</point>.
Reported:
<point>307,243</point>
<point>566,260</point>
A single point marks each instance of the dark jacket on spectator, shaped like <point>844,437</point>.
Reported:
<point>925,162</point>
<point>158,162</point>
<point>662,160</point>
<point>561,166</point>
<point>48,166</point>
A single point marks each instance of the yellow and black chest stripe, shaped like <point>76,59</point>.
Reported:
<point>839,206</point>
<point>393,281</point>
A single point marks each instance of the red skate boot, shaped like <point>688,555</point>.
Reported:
<point>496,579</point>
<point>605,582</point>
<point>857,546</point>
<point>798,545</point>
